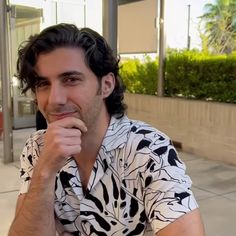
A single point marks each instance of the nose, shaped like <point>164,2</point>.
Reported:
<point>57,94</point>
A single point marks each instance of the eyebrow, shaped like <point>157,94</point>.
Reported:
<point>73,72</point>
<point>67,73</point>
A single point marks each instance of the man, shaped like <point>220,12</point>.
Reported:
<point>93,171</point>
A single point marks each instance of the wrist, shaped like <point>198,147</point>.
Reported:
<point>44,175</point>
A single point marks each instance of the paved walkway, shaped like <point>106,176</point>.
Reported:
<point>214,185</point>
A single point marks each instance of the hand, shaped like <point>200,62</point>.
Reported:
<point>62,139</point>
<point>66,234</point>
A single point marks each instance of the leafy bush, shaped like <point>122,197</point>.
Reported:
<point>195,75</point>
<point>140,77</point>
<point>188,74</point>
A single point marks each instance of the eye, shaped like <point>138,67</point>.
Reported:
<point>71,80</point>
<point>41,83</point>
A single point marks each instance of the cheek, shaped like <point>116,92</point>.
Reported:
<point>83,96</point>
<point>41,100</point>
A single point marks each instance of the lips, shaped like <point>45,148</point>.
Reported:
<point>61,115</point>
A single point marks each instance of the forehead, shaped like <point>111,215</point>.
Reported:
<point>60,60</point>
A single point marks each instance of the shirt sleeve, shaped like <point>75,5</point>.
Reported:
<point>29,158</point>
<point>166,186</point>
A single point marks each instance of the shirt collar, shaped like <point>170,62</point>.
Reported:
<point>115,138</point>
<point>117,133</point>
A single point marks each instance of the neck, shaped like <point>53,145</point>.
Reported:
<point>91,144</point>
<point>92,141</point>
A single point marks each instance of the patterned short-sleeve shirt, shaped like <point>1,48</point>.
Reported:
<point>137,179</point>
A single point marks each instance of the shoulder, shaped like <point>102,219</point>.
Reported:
<point>29,158</point>
<point>138,127</point>
<point>141,127</point>
<point>34,142</point>
<point>149,145</point>
<point>147,135</point>
<point>136,137</point>
<point>36,137</point>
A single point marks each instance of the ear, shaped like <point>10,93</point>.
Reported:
<point>108,84</point>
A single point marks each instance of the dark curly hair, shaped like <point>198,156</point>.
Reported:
<point>99,58</point>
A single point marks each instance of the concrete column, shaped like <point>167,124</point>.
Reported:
<point>110,12</point>
<point>5,79</point>
<point>162,52</point>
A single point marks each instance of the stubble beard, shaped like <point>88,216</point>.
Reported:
<point>89,116</point>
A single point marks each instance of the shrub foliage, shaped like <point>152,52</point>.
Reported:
<point>188,74</point>
<point>140,76</point>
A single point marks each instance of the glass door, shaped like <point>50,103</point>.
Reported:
<point>25,21</point>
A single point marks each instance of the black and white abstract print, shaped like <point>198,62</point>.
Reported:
<point>137,179</point>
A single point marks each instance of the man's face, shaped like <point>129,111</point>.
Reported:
<point>67,87</point>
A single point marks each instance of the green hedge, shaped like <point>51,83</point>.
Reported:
<point>140,77</point>
<point>195,75</point>
<point>188,74</point>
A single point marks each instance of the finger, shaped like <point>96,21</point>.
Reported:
<point>66,234</point>
<point>70,132</point>
<point>57,134</point>
<point>70,122</point>
<point>61,151</point>
<point>71,141</point>
<point>71,150</point>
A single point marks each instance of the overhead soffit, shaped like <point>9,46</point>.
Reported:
<point>24,12</point>
<point>122,2</point>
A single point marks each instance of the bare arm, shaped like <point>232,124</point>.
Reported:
<point>189,224</point>
<point>35,209</point>
<point>35,212</point>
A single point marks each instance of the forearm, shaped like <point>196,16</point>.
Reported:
<point>189,224</point>
<point>36,214</point>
